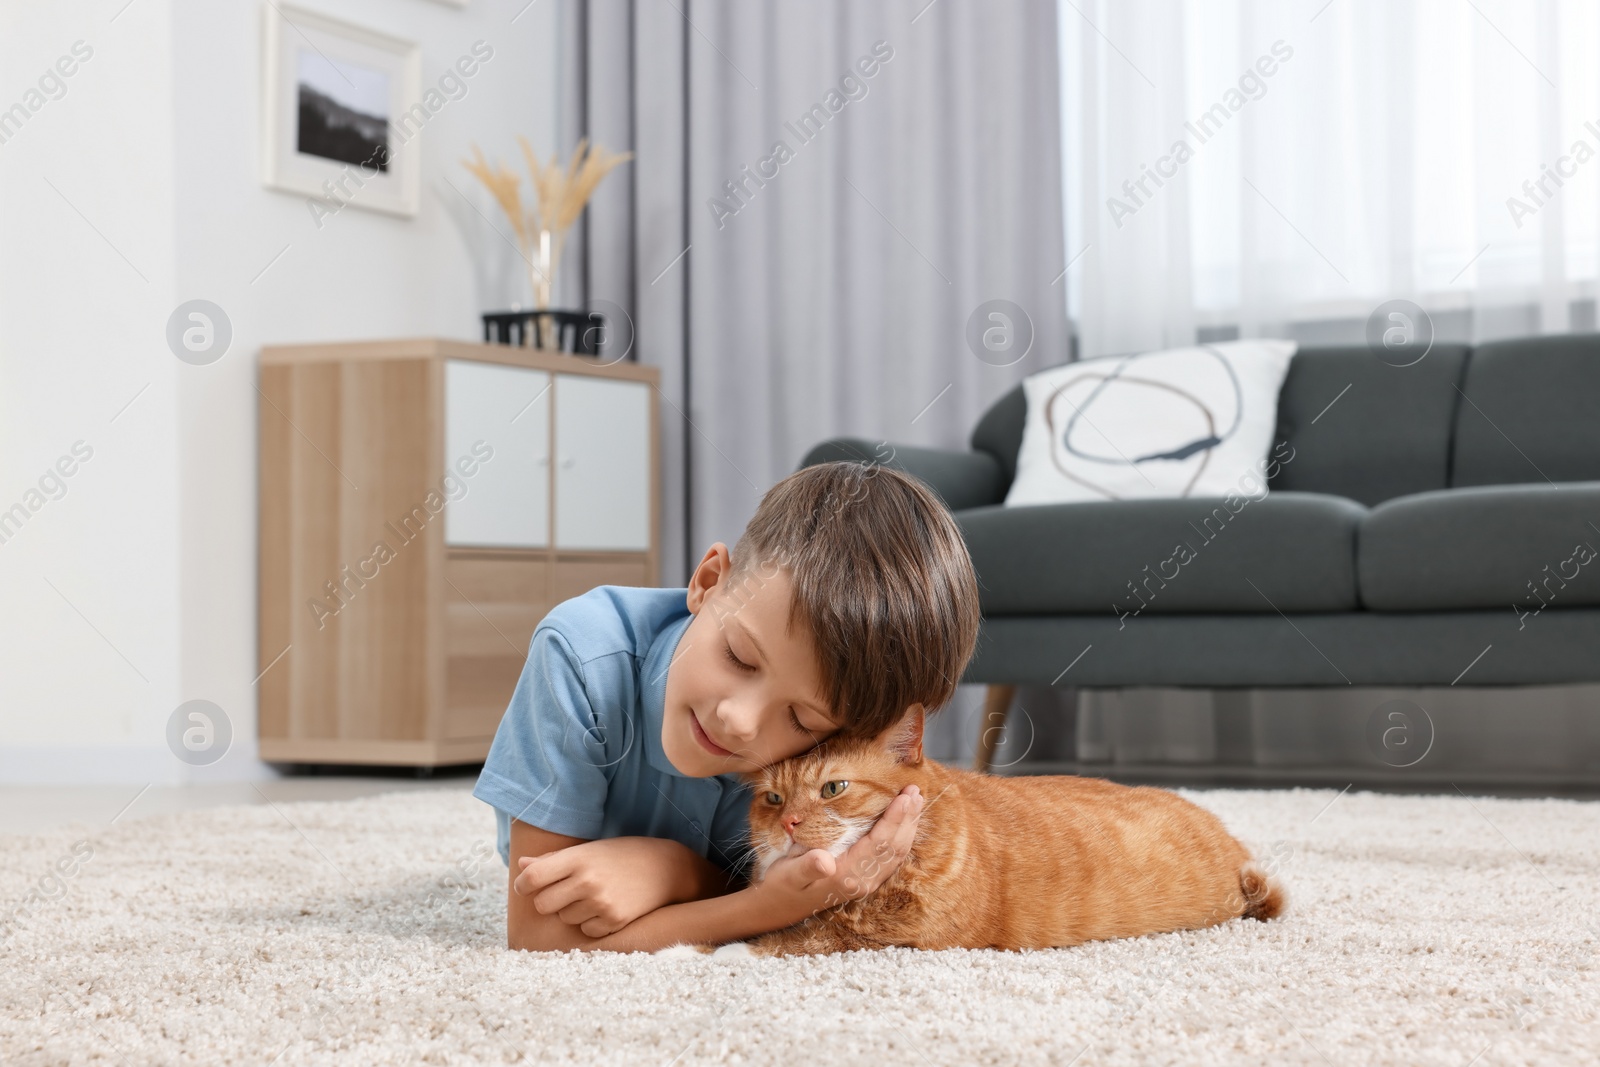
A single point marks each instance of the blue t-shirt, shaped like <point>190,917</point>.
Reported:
<point>579,749</point>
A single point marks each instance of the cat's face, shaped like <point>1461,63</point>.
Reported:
<point>829,798</point>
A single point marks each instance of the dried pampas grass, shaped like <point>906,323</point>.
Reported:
<point>560,195</point>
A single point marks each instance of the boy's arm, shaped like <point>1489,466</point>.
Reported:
<point>792,890</point>
<point>525,927</point>
<point>565,891</point>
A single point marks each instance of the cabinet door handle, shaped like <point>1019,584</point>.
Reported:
<point>568,463</point>
<point>543,461</point>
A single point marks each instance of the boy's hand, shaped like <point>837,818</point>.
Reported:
<point>804,885</point>
<point>602,886</point>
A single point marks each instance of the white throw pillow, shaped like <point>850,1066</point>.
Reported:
<point>1175,423</point>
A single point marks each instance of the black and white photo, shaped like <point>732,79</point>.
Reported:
<point>338,114</point>
<point>342,112</point>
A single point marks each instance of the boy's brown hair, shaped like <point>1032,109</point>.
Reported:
<point>880,577</point>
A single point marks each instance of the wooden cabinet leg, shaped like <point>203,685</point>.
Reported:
<point>996,705</point>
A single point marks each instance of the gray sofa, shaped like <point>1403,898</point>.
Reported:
<point>1435,525</point>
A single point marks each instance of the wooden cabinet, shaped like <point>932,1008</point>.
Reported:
<point>424,503</point>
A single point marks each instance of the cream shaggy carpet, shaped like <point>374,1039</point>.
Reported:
<point>1422,930</point>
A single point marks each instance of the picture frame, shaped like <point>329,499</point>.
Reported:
<point>331,95</point>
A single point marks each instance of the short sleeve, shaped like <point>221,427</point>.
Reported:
<point>548,764</point>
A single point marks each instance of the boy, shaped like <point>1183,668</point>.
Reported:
<point>849,598</point>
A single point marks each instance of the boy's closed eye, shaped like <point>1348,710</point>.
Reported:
<point>736,661</point>
<point>794,717</point>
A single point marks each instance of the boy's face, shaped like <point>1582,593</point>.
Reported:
<point>743,687</point>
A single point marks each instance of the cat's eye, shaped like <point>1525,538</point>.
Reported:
<point>833,789</point>
<point>773,799</point>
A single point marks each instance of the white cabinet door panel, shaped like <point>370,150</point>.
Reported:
<point>507,497</point>
<point>602,463</point>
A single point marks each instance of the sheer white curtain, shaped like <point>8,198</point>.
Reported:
<point>1240,167</point>
<point>1280,169</point>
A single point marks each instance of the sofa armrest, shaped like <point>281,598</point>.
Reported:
<point>962,479</point>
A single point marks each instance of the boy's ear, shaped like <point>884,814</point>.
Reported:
<point>714,566</point>
<point>904,738</point>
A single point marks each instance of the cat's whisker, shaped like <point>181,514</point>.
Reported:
<point>746,859</point>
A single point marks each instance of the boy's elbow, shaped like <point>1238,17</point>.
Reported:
<point>543,933</point>
<point>536,938</point>
<point>517,941</point>
<point>523,935</point>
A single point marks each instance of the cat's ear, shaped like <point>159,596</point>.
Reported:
<point>904,738</point>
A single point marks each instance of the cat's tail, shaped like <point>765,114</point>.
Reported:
<point>1264,898</point>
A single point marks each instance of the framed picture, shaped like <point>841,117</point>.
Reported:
<point>332,96</point>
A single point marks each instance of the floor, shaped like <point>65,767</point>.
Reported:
<point>1448,930</point>
<point>35,808</point>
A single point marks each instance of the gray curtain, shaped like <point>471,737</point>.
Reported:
<point>824,287</point>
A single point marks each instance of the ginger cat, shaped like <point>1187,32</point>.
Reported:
<point>1011,863</point>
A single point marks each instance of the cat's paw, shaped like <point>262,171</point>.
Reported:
<point>734,950</point>
<point>683,952</point>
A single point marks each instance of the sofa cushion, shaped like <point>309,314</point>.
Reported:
<point>1284,551</point>
<point>1174,422</point>
<point>1528,412</point>
<point>999,432</point>
<point>1361,648</point>
<point>1387,431</point>
<point>1506,546</point>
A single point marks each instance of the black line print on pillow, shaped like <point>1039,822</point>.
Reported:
<point>1204,444</point>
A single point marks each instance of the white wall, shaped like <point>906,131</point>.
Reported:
<point>154,542</point>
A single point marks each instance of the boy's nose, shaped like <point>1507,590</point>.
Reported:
<point>738,723</point>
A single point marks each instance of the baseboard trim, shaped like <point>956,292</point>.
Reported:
<point>123,765</point>
<point>383,753</point>
<point>1409,780</point>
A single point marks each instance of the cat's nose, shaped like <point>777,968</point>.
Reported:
<point>790,822</point>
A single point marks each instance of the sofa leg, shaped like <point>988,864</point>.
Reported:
<point>996,705</point>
